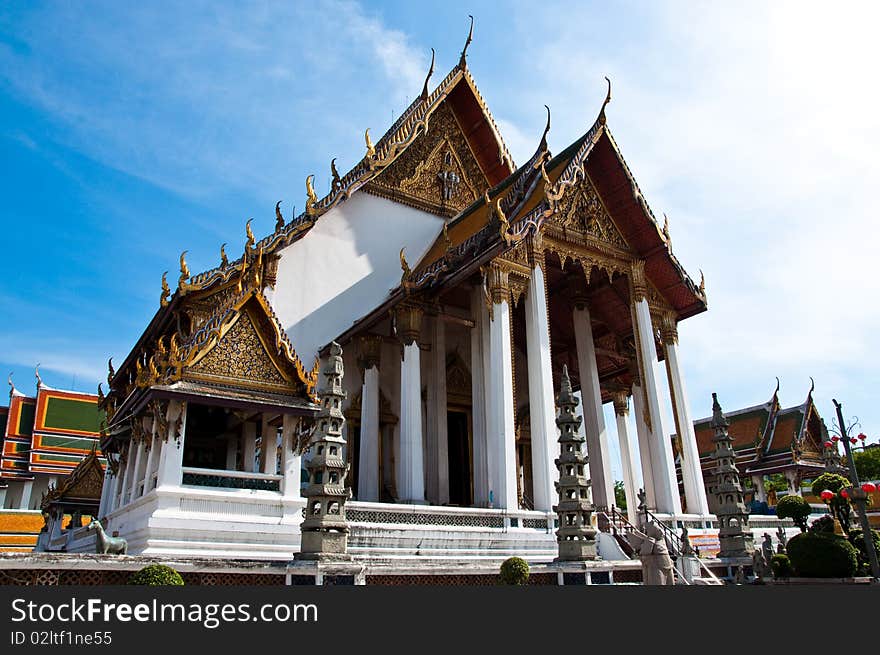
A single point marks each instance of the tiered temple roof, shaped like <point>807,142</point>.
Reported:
<point>49,433</point>
<point>769,439</point>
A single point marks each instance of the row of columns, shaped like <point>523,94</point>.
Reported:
<point>161,456</point>
<point>494,474</point>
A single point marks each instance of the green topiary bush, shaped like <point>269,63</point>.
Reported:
<point>795,508</point>
<point>822,555</point>
<point>156,575</point>
<point>858,540</point>
<point>781,566</point>
<point>823,524</point>
<point>514,571</point>
<point>839,505</point>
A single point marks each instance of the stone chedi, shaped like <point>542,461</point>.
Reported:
<point>733,519</point>
<point>324,528</point>
<point>576,536</point>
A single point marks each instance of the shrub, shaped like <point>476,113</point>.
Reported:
<point>822,555</point>
<point>156,575</point>
<point>514,571</point>
<point>823,524</point>
<point>781,566</point>
<point>839,506</point>
<point>795,508</point>
<point>857,539</point>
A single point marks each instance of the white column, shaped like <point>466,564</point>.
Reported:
<point>290,460</point>
<point>594,418</point>
<point>760,491</point>
<point>135,471</point>
<point>171,459</point>
<point>105,490</point>
<point>26,490</point>
<point>627,456</point>
<point>479,333</point>
<point>437,451</point>
<point>542,419</point>
<point>411,482</point>
<point>269,446</point>
<point>125,486</point>
<point>112,497</point>
<point>793,482</point>
<point>3,497</point>
<point>368,462</point>
<point>665,481</point>
<point>644,439</point>
<point>249,435</point>
<point>152,457</point>
<point>231,451</point>
<point>691,473</point>
<point>500,409</point>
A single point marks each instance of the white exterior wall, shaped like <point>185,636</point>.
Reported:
<point>345,266</point>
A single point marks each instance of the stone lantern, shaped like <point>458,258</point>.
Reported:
<point>324,528</point>
<point>576,536</point>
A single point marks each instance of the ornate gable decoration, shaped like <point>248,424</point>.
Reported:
<point>582,210</point>
<point>239,358</point>
<point>437,173</point>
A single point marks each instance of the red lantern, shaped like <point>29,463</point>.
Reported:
<point>828,444</point>
<point>854,441</point>
<point>827,495</point>
<point>834,437</point>
<point>869,487</point>
<point>862,436</point>
<point>844,493</point>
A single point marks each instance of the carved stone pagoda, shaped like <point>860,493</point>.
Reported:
<point>324,528</point>
<point>733,519</point>
<point>576,536</point>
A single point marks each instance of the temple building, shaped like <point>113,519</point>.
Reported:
<point>769,440</point>
<point>45,437</point>
<point>459,286</point>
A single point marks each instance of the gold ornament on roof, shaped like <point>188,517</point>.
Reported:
<point>101,397</point>
<point>224,260</point>
<point>11,386</point>
<point>446,240</point>
<point>154,371</point>
<point>462,62</point>
<point>371,151</point>
<point>666,230</point>
<point>336,183</point>
<point>702,283</point>
<point>184,269</point>
<point>430,72</point>
<point>110,372</point>
<point>404,266</point>
<point>312,198</point>
<point>605,103</point>
<point>251,240</point>
<point>37,374</point>
<point>279,219</point>
<point>173,351</point>
<point>166,291</point>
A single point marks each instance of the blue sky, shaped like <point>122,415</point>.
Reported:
<point>129,132</point>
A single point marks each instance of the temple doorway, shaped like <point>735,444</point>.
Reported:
<point>459,458</point>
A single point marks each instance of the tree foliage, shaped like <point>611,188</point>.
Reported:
<point>868,463</point>
<point>619,495</point>
<point>795,508</point>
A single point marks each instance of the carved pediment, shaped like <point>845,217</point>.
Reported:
<point>240,358</point>
<point>437,173</point>
<point>581,209</point>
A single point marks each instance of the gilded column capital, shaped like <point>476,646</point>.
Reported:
<point>370,350</point>
<point>621,402</point>
<point>639,281</point>
<point>498,282</point>
<point>535,250</point>
<point>409,322</point>
<point>668,328</point>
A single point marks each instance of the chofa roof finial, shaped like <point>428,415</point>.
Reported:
<point>37,375</point>
<point>311,196</point>
<point>184,269</point>
<point>430,72</point>
<point>462,63</point>
<point>166,290</point>
<point>279,219</point>
<point>605,103</point>
<point>546,130</point>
